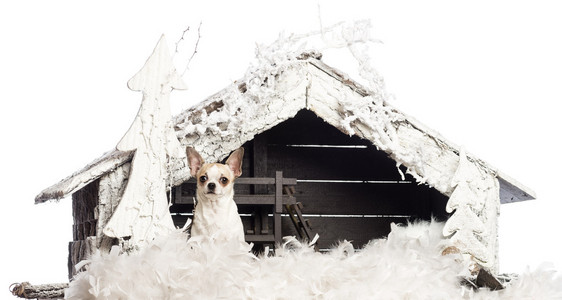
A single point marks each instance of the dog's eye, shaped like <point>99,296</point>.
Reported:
<point>224,180</point>
<point>203,178</point>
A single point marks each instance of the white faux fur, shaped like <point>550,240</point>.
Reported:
<point>406,265</point>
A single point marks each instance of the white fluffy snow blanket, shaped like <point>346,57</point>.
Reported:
<point>406,265</point>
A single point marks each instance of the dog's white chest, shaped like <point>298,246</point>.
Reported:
<point>219,222</point>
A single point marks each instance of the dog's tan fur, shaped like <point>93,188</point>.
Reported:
<point>216,214</point>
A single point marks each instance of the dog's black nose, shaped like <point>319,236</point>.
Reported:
<point>211,186</point>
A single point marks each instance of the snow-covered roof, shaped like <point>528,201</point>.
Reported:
<point>108,162</point>
<point>268,96</point>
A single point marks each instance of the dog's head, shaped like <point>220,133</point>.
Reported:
<point>215,180</point>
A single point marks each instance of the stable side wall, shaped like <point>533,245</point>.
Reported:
<point>84,202</point>
<point>92,207</point>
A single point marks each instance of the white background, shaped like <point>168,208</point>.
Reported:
<point>485,75</point>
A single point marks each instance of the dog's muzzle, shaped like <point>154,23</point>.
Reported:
<point>211,187</point>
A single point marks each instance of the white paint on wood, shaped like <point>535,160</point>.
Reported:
<point>99,167</point>
<point>374,120</point>
<point>111,188</point>
<point>238,115</point>
<point>143,210</point>
<point>474,203</point>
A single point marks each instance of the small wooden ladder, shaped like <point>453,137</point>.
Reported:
<point>302,225</point>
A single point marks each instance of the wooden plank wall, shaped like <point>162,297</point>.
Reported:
<point>84,202</point>
<point>349,189</point>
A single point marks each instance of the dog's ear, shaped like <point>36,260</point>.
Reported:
<point>194,161</point>
<point>234,161</point>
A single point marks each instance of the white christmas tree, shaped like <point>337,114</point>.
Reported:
<point>143,210</point>
<point>464,226</point>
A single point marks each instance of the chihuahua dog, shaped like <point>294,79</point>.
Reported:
<point>216,214</point>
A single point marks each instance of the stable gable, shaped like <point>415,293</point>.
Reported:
<point>228,119</point>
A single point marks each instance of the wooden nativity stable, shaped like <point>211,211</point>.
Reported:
<point>312,135</point>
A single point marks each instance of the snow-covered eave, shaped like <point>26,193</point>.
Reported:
<point>94,170</point>
<point>510,189</point>
<point>114,158</point>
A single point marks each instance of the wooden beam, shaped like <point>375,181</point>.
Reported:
<point>259,238</point>
<point>258,180</point>
<point>42,291</point>
<point>248,200</point>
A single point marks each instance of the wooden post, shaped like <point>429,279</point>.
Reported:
<point>259,162</point>
<point>177,194</point>
<point>278,205</point>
